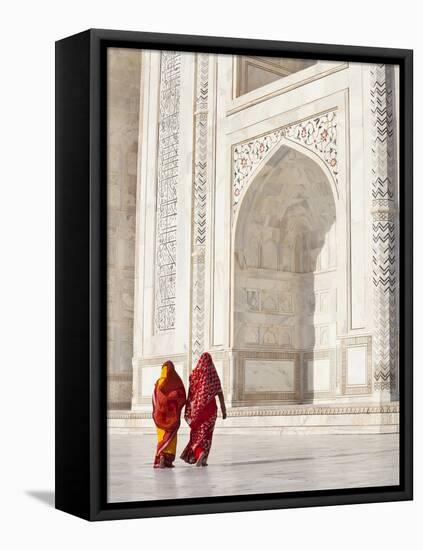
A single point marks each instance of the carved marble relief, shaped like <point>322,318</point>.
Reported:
<point>285,304</point>
<point>252,334</point>
<point>270,304</point>
<point>317,134</point>
<point>268,335</point>
<point>167,181</point>
<point>259,300</point>
<point>384,227</point>
<point>199,212</point>
<point>253,300</point>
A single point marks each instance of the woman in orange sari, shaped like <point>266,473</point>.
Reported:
<point>201,410</point>
<point>168,399</point>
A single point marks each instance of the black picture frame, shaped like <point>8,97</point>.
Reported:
<point>81,436</point>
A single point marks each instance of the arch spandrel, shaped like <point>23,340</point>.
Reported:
<point>315,137</point>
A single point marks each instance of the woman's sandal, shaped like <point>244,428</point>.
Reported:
<point>202,460</point>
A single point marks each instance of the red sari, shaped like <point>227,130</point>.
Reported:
<point>201,409</point>
<point>168,399</point>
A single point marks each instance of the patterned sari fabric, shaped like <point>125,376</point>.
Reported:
<point>168,399</point>
<point>201,409</point>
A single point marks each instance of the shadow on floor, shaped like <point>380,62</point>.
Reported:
<point>46,497</point>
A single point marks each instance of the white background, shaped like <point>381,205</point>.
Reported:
<point>28,32</point>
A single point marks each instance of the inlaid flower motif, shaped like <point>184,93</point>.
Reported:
<point>317,134</point>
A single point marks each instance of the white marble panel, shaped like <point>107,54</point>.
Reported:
<point>356,366</point>
<point>285,303</point>
<point>318,375</point>
<point>358,253</point>
<point>268,375</point>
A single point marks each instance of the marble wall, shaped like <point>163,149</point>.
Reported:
<point>123,83</point>
<point>253,72</point>
<point>256,239</point>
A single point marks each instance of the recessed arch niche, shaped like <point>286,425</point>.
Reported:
<point>285,281</point>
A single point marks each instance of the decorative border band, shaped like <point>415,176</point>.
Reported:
<point>318,133</point>
<point>286,411</point>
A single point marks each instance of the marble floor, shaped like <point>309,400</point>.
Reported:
<point>245,464</point>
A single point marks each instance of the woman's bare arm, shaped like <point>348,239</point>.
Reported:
<point>222,404</point>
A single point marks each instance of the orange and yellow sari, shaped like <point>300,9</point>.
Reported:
<point>168,399</point>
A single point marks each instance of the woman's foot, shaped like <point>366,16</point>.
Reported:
<point>202,459</point>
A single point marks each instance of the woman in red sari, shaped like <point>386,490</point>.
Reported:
<point>168,399</point>
<point>201,410</point>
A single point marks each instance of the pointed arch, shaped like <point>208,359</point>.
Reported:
<point>276,153</point>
